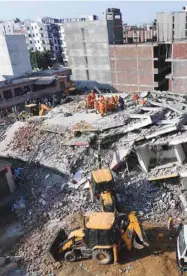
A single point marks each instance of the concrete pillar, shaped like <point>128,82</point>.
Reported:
<point>13,93</point>
<point>180,154</point>
<point>2,95</point>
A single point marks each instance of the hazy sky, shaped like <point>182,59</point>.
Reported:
<point>133,12</point>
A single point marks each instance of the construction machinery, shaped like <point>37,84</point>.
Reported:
<point>43,109</point>
<point>181,251</point>
<point>102,238</point>
<point>102,187</point>
<point>32,110</point>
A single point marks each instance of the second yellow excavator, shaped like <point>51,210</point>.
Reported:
<point>102,187</point>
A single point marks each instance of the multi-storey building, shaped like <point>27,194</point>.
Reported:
<point>11,27</point>
<point>172,26</point>
<point>14,56</point>
<point>134,34</point>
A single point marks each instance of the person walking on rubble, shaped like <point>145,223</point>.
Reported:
<point>170,227</point>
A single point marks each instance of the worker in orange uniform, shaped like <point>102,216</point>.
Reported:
<point>135,98</point>
<point>88,101</point>
<point>102,108</point>
<point>102,99</point>
<point>93,95</point>
<point>96,106</point>
<point>116,100</point>
<point>113,102</point>
<point>142,101</point>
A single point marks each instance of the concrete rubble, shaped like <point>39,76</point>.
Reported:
<point>143,145</point>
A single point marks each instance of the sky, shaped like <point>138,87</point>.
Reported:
<point>134,12</point>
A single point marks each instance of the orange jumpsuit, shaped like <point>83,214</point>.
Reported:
<point>96,106</point>
<point>88,101</point>
<point>135,98</point>
<point>102,108</point>
<point>142,101</point>
<point>113,102</point>
<point>116,99</point>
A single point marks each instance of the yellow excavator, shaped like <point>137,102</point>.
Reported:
<point>102,238</point>
<point>33,110</point>
<point>102,187</point>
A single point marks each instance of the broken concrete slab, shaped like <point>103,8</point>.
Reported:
<point>162,130</point>
<point>165,105</point>
<point>119,157</point>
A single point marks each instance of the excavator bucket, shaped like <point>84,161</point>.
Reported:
<point>53,248</point>
<point>134,235</point>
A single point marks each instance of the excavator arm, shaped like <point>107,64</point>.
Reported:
<point>133,234</point>
<point>43,109</point>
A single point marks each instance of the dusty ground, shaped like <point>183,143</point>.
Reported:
<point>157,260</point>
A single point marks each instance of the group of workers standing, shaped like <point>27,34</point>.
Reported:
<point>103,104</point>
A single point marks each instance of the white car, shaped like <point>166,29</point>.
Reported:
<point>182,248</point>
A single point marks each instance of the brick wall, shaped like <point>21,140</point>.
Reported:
<point>180,50</point>
<point>132,67</point>
<point>179,68</point>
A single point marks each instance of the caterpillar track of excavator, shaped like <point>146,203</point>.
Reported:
<point>102,238</point>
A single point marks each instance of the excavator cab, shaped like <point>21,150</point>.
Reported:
<point>32,109</point>
<point>102,187</point>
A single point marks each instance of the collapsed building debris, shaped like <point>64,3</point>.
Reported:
<point>140,144</point>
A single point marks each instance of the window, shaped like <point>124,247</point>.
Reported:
<point>41,29</point>
<point>31,49</point>
<point>56,48</point>
<point>18,91</point>
<point>35,27</point>
<point>43,42</point>
<point>30,41</point>
<point>39,48</point>
<point>36,34</point>
<point>28,28</point>
<point>7,94</point>
<point>42,35</point>
<point>32,28</point>
<point>45,49</point>
<point>33,35</point>
<point>30,35</point>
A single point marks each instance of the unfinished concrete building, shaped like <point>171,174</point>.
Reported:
<point>172,26</point>
<point>139,67</point>
<point>87,44</point>
<point>178,60</point>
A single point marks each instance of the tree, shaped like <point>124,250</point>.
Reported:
<point>41,60</point>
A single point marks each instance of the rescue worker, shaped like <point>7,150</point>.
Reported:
<point>135,98</point>
<point>93,95</point>
<point>116,100</point>
<point>113,102</point>
<point>88,101</point>
<point>102,99</point>
<point>170,227</point>
<point>121,103</point>
<point>96,106</point>
<point>102,108</point>
<point>142,101</point>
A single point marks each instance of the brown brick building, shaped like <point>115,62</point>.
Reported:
<point>139,67</point>
<point>178,59</point>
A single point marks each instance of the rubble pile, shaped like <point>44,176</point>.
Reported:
<point>150,201</point>
<point>52,202</point>
<point>66,140</point>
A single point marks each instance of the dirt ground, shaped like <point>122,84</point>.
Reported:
<point>157,260</point>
